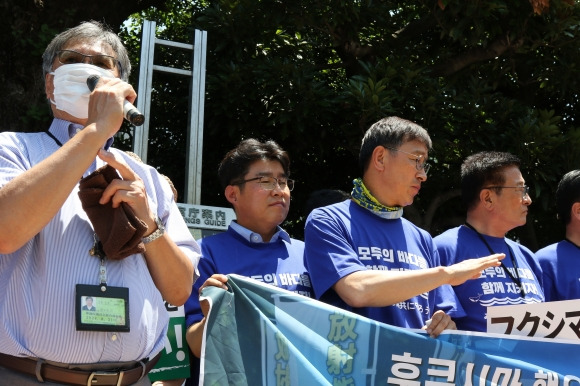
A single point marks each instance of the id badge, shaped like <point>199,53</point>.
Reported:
<point>102,308</point>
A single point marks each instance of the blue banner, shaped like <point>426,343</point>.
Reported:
<point>261,335</point>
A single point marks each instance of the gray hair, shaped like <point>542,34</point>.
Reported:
<point>393,132</point>
<point>85,32</point>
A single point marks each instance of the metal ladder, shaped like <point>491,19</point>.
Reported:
<point>196,99</point>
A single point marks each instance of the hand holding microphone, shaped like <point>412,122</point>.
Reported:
<point>130,112</point>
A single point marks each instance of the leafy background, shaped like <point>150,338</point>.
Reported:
<point>313,75</point>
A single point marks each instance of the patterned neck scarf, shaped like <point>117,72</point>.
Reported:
<point>362,196</point>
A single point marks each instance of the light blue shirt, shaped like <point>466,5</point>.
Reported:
<point>254,237</point>
<point>37,282</point>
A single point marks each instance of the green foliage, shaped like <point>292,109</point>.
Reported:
<point>314,75</point>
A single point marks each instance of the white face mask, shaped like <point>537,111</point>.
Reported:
<point>71,93</point>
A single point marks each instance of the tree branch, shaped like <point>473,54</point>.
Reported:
<point>496,48</point>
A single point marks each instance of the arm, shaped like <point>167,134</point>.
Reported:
<point>31,200</point>
<point>170,268</point>
<point>25,204</point>
<point>194,333</point>
<point>368,288</point>
<point>385,288</point>
<point>194,336</point>
<point>332,258</point>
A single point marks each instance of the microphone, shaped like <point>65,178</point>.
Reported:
<point>129,111</point>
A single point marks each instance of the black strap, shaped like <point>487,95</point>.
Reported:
<point>516,279</point>
<point>53,138</point>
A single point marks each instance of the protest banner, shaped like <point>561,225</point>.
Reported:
<point>261,335</point>
<point>560,320</point>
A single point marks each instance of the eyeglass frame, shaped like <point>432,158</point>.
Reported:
<point>424,166</point>
<point>117,62</point>
<point>289,181</point>
<point>525,192</point>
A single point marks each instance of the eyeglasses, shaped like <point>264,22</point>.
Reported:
<point>420,165</point>
<point>525,189</point>
<point>71,57</point>
<point>270,183</point>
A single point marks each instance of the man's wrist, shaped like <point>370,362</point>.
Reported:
<point>157,233</point>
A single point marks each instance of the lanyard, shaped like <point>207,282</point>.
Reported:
<point>60,144</point>
<point>97,249</point>
<point>53,138</point>
<point>516,279</point>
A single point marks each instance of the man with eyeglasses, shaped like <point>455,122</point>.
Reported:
<point>51,255</point>
<point>559,261</point>
<point>363,256</point>
<point>497,200</point>
<point>255,179</point>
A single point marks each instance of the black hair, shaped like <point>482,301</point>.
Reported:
<point>236,163</point>
<point>483,169</point>
<point>567,193</point>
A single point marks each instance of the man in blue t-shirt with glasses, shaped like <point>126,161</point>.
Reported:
<point>497,199</point>
<point>363,256</point>
<point>256,180</point>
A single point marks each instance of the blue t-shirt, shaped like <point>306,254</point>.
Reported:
<point>494,287</point>
<point>279,263</point>
<point>560,264</point>
<point>344,238</point>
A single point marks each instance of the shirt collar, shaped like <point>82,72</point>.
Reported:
<point>254,237</point>
<point>65,130</point>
